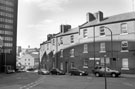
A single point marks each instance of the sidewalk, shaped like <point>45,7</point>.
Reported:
<point>128,75</point>
<point>122,75</point>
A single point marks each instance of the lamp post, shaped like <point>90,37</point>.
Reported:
<point>111,40</point>
<point>105,71</point>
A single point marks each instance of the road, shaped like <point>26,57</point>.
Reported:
<point>34,81</point>
<point>77,82</point>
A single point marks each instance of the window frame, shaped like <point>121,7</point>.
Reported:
<point>124,48</point>
<point>85,48</point>
<point>72,52</point>
<point>85,63</point>
<point>102,47</point>
<point>102,31</point>
<point>85,33</point>
<point>72,65</point>
<point>72,38</point>
<point>125,64</point>
<point>61,53</point>
<point>124,30</point>
<point>61,40</point>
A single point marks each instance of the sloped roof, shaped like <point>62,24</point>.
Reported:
<point>71,31</point>
<point>35,55</point>
<point>115,18</point>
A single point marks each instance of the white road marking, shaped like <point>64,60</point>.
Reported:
<point>33,84</point>
<point>128,84</point>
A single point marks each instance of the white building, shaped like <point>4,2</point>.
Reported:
<point>30,61</point>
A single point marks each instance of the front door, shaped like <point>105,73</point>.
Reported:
<point>66,67</point>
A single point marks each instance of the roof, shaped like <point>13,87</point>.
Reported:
<point>71,31</point>
<point>35,55</point>
<point>111,19</point>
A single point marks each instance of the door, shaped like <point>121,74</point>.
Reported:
<point>66,67</point>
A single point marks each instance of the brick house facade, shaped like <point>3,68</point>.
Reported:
<point>85,46</point>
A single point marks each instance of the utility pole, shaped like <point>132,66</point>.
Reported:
<point>94,44</point>
<point>56,52</point>
<point>105,71</point>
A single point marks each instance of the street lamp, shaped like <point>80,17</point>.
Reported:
<point>111,40</point>
<point>105,71</point>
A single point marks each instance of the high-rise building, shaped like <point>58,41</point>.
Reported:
<point>8,33</point>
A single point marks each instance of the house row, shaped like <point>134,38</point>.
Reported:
<point>88,45</point>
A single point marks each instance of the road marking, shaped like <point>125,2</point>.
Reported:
<point>33,84</point>
<point>128,84</point>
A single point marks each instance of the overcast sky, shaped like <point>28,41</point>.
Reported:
<point>37,18</point>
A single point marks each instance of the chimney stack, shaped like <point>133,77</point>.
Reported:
<point>90,17</point>
<point>49,36</point>
<point>64,28</point>
<point>99,16</point>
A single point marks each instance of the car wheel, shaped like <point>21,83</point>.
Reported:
<point>113,75</point>
<point>80,74</point>
<point>97,74</point>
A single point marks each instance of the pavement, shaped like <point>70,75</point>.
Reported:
<point>128,75</point>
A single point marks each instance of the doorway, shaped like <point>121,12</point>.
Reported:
<point>66,67</point>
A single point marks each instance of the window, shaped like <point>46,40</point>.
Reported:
<point>8,38</point>
<point>53,41</point>
<point>8,44</point>
<point>61,53</point>
<point>102,31</point>
<point>85,33</point>
<point>8,32</point>
<point>102,47</point>
<point>72,53</point>
<point>72,38</point>
<point>47,46</point>
<point>124,46</point>
<point>123,28</point>
<point>61,66</point>
<point>7,8</point>
<point>125,64</point>
<point>61,41</point>
<point>6,14</point>
<point>85,64</point>
<point>85,48</point>
<point>6,20</point>
<point>102,61</point>
<point>7,50</point>
<point>72,65</point>
<point>7,2</point>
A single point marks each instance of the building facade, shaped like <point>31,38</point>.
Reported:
<point>8,33</point>
<point>29,61</point>
<point>86,46</point>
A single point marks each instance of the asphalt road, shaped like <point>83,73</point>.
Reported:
<point>77,82</point>
<point>16,80</point>
<point>35,81</point>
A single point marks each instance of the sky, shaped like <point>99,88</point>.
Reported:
<point>37,18</point>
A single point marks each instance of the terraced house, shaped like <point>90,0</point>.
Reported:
<point>86,46</point>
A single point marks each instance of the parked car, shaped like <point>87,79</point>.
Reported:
<point>56,71</point>
<point>78,72</point>
<point>100,71</point>
<point>9,69</point>
<point>43,72</point>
